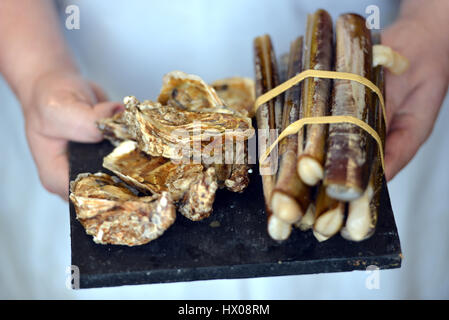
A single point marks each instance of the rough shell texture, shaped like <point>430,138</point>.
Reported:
<point>113,214</point>
<point>114,128</point>
<point>188,91</point>
<point>239,179</point>
<point>237,93</point>
<point>198,201</point>
<point>174,133</point>
<point>151,174</point>
<point>185,182</point>
<point>193,94</point>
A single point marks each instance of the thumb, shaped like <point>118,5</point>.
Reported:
<point>398,153</point>
<point>107,109</point>
<point>99,111</point>
<point>78,122</point>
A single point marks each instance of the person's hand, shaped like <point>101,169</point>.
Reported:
<point>59,108</point>
<point>414,98</point>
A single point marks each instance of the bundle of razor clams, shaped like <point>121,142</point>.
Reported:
<point>327,177</point>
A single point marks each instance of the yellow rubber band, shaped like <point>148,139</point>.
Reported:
<point>297,125</point>
<point>319,74</point>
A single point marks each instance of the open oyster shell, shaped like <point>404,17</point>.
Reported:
<point>114,128</point>
<point>113,214</point>
<point>172,132</point>
<point>197,202</point>
<point>237,93</point>
<point>188,91</point>
<point>187,183</point>
<point>153,141</point>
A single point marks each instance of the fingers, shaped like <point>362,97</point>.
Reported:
<point>76,121</point>
<point>107,109</point>
<point>68,112</point>
<point>56,178</point>
<point>415,97</point>
<point>396,88</point>
<point>410,127</point>
<point>400,148</point>
<point>398,153</point>
<point>51,160</point>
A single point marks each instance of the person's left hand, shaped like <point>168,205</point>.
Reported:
<point>61,107</point>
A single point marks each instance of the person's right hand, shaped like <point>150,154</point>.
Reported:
<point>62,107</point>
<point>414,98</point>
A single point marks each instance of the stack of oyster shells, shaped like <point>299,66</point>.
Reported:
<point>157,171</point>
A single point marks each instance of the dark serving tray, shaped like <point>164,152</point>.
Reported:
<point>231,243</point>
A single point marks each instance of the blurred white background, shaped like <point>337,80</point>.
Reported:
<point>127,49</point>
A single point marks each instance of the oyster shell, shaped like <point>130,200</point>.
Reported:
<point>197,203</point>
<point>186,182</point>
<point>191,93</point>
<point>113,214</point>
<point>239,178</point>
<point>188,91</point>
<point>172,132</point>
<point>114,128</point>
<point>233,176</point>
<point>151,174</point>
<point>237,93</point>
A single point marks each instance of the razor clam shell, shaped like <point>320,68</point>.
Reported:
<point>349,156</point>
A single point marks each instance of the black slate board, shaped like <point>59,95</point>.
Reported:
<point>238,248</point>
